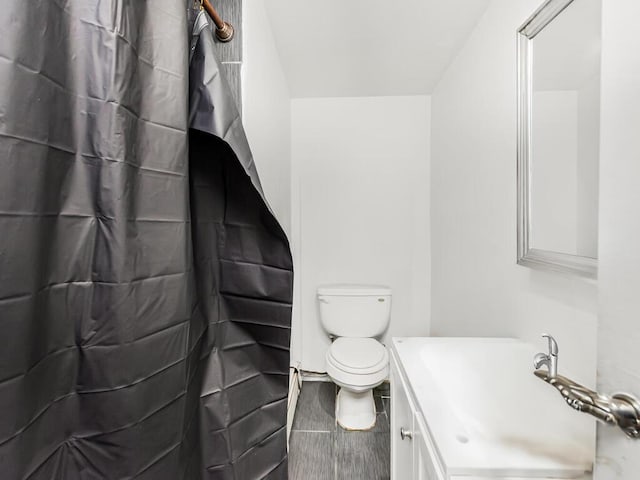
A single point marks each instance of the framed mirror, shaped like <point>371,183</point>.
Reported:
<point>558,136</point>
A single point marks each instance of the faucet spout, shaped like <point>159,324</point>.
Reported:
<point>553,345</point>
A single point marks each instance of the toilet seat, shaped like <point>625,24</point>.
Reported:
<point>357,365</point>
<point>358,356</point>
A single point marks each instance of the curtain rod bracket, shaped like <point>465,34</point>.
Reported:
<point>224,30</point>
<point>225,34</point>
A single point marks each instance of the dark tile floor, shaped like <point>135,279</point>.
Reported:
<point>319,449</point>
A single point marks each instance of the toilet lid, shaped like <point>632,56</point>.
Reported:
<point>359,355</point>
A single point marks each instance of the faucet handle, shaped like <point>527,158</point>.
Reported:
<point>553,345</point>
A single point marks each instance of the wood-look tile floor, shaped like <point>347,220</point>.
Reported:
<point>319,449</point>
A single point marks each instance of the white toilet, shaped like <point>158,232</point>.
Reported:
<point>356,361</point>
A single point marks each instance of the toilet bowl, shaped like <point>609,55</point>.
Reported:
<point>357,365</point>
<point>354,315</point>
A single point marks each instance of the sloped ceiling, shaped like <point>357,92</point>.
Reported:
<point>338,48</point>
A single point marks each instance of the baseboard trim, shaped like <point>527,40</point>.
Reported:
<point>308,376</point>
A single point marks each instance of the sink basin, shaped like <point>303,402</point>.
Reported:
<point>488,414</point>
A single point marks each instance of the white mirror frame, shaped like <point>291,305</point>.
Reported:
<point>527,256</point>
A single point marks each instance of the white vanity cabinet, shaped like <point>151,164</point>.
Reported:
<point>471,409</point>
<point>411,452</point>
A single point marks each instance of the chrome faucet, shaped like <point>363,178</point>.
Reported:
<point>549,359</point>
<point>620,409</point>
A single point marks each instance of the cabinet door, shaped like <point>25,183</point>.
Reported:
<point>424,466</point>
<point>402,458</point>
<point>423,471</point>
<point>427,466</point>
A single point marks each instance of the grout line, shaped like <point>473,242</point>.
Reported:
<point>335,456</point>
<point>335,406</point>
<point>335,435</point>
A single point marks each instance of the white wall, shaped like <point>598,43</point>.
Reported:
<point>266,116</point>
<point>361,206</point>
<point>478,289</point>
<point>619,277</point>
<point>266,109</point>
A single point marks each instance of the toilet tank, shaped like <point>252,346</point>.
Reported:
<point>354,310</point>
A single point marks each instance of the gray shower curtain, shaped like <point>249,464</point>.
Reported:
<point>145,285</point>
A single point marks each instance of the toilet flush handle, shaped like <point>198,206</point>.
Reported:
<point>323,300</point>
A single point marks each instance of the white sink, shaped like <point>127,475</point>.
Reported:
<point>488,414</point>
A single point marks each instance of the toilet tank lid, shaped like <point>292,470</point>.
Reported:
<point>354,290</point>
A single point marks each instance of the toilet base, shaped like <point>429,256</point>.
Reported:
<point>355,410</point>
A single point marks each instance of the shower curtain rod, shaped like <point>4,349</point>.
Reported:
<point>224,30</point>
